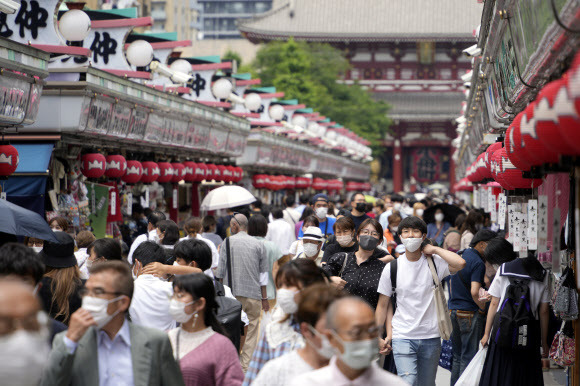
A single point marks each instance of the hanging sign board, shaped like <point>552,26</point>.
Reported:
<point>533,225</point>
<point>501,210</point>
<point>493,209</point>
<point>542,223</point>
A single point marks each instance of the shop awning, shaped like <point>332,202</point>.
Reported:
<point>33,157</point>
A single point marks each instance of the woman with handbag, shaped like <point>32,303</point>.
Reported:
<point>512,361</point>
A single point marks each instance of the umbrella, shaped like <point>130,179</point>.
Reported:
<point>437,186</point>
<point>19,221</point>
<point>228,196</point>
<point>450,211</point>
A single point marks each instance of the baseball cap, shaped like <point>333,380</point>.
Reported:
<point>482,235</point>
<point>319,197</point>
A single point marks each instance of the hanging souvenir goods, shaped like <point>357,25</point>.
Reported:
<point>134,172</point>
<point>151,172</point>
<point>165,172</point>
<point>116,166</point>
<point>536,151</point>
<point>189,171</point>
<point>93,164</point>
<point>178,172</point>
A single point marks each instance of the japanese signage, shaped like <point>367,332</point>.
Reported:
<point>426,164</point>
<point>542,223</point>
<point>98,197</point>
<point>501,210</point>
<point>533,224</point>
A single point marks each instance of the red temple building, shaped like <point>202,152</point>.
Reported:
<point>409,53</point>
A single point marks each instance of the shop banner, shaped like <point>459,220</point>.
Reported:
<point>114,203</point>
<point>556,269</point>
<point>98,197</point>
<point>533,225</point>
<point>542,223</point>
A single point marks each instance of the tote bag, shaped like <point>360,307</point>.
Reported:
<point>443,318</point>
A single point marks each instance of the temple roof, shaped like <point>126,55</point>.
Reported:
<point>365,20</point>
<point>422,105</point>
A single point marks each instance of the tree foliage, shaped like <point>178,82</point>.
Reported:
<point>309,73</point>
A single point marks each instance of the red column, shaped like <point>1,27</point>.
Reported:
<point>195,199</point>
<point>451,170</point>
<point>397,166</point>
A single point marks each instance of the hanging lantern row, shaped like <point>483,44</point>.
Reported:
<point>96,165</point>
<point>463,185</point>
<point>275,183</point>
<point>352,186</point>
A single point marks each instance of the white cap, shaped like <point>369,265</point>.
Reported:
<point>313,233</point>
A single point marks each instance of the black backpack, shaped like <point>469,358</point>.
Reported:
<point>229,314</point>
<point>516,323</point>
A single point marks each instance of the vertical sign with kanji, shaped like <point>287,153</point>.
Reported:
<point>501,210</point>
<point>493,209</point>
<point>542,223</point>
<point>483,198</point>
<point>476,198</point>
<point>511,224</point>
<point>533,224</point>
<point>556,241</point>
<point>523,234</point>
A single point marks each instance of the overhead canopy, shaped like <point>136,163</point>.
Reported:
<point>33,157</point>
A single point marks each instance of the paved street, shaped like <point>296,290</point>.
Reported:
<point>554,377</point>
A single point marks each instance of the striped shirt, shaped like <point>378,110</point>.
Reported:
<point>249,259</point>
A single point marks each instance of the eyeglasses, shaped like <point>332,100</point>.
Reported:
<point>366,232</point>
<point>33,322</point>
<point>98,292</point>
<point>361,333</point>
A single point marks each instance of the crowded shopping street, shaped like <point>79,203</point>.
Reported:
<point>289,192</point>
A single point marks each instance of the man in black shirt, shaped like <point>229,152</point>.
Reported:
<point>358,209</point>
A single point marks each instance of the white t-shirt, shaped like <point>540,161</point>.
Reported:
<point>282,234</point>
<point>282,370</point>
<point>416,315</point>
<point>150,303</point>
<point>296,247</point>
<point>538,291</point>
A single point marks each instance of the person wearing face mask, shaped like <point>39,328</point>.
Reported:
<point>22,264</point>
<point>102,347</point>
<point>359,272</point>
<point>452,241</point>
<point>312,245</point>
<point>101,250</point>
<point>24,335</point>
<point>280,232</point>
<point>209,225</point>
<point>150,303</point>
<point>320,205</point>
<point>282,334</point>
<point>397,207</point>
<point>412,332</point>
<point>34,243</point>
<point>193,227</point>
<point>467,310</point>
<point>352,333</point>
<point>205,355</point>
<point>473,222</point>
<point>436,229</point>
<point>298,246</point>
<point>418,209</point>
<point>392,239</point>
<point>317,351</point>
<point>58,224</point>
<point>152,219</point>
<point>83,240</point>
<point>345,240</point>
<point>358,207</point>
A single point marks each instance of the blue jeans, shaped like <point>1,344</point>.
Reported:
<point>465,338</point>
<point>417,360</point>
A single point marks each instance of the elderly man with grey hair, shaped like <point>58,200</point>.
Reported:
<point>243,266</point>
<point>353,334</point>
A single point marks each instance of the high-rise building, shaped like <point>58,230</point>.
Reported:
<point>179,16</point>
<point>218,17</point>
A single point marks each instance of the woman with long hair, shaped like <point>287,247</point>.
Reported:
<point>61,284</point>
<point>282,334</point>
<point>473,222</point>
<point>206,356</point>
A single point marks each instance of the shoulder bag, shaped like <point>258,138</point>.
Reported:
<point>443,318</point>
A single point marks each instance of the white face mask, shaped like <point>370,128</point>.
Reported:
<point>344,240</point>
<point>321,212</point>
<point>98,309</point>
<point>310,250</point>
<point>397,206</point>
<point>286,300</point>
<point>412,244</point>
<point>23,356</point>
<point>326,351</point>
<point>359,354</point>
<point>177,311</point>
<point>420,212</point>
<point>37,249</point>
<point>439,217</point>
<point>395,229</point>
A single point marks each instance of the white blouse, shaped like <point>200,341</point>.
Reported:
<point>188,341</point>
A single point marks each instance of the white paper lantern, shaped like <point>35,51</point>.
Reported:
<point>253,101</point>
<point>181,65</point>
<point>276,112</point>
<point>139,53</point>
<point>299,120</point>
<point>74,25</point>
<point>222,88</point>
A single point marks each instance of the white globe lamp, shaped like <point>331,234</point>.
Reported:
<point>222,88</point>
<point>181,65</point>
<point>299,120</point>
<point>74,25</point>
<point>139,53</point>
<point>276,112</point>
<point>253,101</point>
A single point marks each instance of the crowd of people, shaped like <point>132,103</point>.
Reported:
<point>314,292</point>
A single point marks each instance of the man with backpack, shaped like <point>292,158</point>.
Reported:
<point>467,311</point>
<point>413,331</point>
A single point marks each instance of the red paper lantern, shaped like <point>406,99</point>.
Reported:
<point>134,172</point>
<point>536,150</point>
<point>93,165</point>
<point>178,172</point>
<point>569,125</point>
<point>189,171</point>
<point>513,144</point>
<point>200,172</point>
<point>259,181</point>
<point>165,172</point>
<point>502,159</point>
<point>212,172</point>
<point>555,114</point>
<point>239,174</point>
<point>513,177</point>
<point>488,154</point>
<point>151,172</point>
<point>319,184</point>
<point>228,174</point>
<point>116,166</point>
<point>221,177</point>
